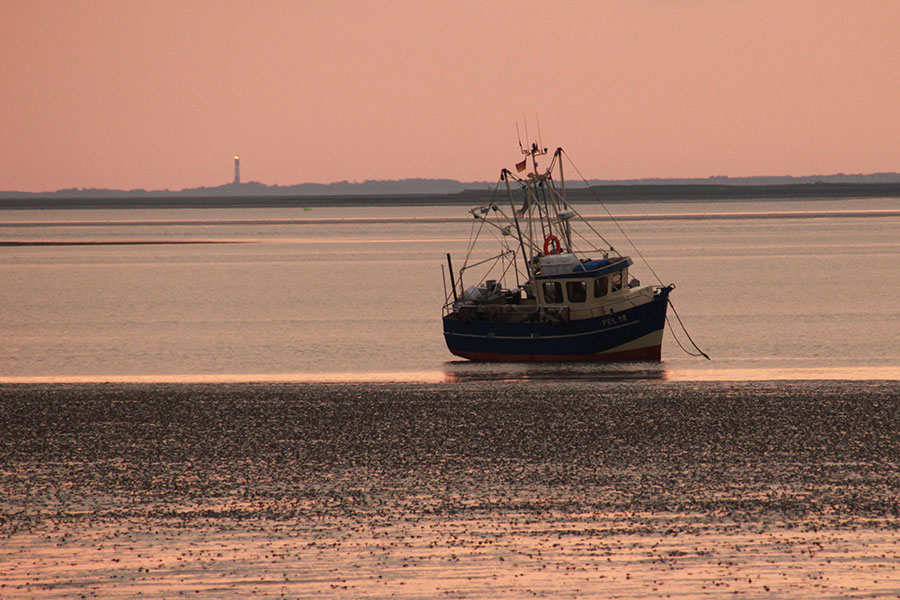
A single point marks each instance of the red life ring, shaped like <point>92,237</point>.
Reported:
<point>557,248</point>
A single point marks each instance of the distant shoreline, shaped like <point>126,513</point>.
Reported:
<point>604,193</point>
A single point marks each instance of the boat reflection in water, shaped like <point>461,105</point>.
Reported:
<point>474,372</point>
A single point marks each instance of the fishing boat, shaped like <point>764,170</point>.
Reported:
<point>556,291</point>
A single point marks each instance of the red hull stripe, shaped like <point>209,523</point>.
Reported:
<point>653,353</point>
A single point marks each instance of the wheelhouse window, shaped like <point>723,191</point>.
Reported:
<point>601,286</point>
<point>552,292</point>
<point>576,290</point>
<point>616,281</point>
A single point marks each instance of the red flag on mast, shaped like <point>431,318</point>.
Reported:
<point>522,165</point>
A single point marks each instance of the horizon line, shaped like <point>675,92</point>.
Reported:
<point>883,176</point>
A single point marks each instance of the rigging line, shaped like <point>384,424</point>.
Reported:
<point>551,206</point>
<point>543,212</point>
<point>502,219</point>
<point>683,328</point>
<point>583,220</point>
<point>507,251</point>
<point>592,247</point>
<point>552,164</point>
<point>487,260</point>
<point>510,223</point>
<point>597,233</point>
<point>506,267</point>
<point>473,236</point>
<point>609,247</point>
<point>497,259</point>
<point>515,267</point>
<point>551,201</point>
<point>622,231</point>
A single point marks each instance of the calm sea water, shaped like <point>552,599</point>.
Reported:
<point>342,294</point>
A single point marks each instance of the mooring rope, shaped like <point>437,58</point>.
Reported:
<point>684,329</point>
<point>646,262</point>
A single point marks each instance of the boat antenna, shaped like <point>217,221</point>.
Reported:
<point>519,136</point>
<point>540,137</point>
<point>525,118</point>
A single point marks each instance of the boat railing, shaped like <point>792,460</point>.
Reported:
<point>451,296</point>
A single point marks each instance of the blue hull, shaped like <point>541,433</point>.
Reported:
<point>633,334</point>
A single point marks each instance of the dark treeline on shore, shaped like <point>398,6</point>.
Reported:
<point>605,193</point>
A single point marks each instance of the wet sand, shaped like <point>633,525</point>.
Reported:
<point>471,490</point>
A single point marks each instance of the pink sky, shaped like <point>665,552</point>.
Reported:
<point>162,94</point>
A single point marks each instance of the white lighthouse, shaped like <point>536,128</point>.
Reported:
<point>237,169</point>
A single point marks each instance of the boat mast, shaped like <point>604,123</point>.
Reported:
<point>532,198</point>
<point>504,175</point>
<point>567,228</point>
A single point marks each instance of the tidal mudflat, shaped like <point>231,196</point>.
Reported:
<point>627,489</point>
